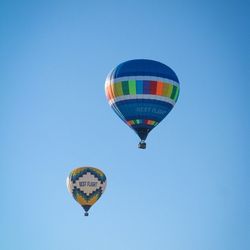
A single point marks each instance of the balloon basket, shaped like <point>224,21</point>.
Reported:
<point>86,214</point>
<point>142,145</point>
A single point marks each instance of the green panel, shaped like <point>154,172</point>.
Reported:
<point>132,87</point>
<point>173,92</point>
<point>177,94</point>
<point>125,88</point>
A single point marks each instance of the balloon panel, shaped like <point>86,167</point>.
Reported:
<point>141,67</point>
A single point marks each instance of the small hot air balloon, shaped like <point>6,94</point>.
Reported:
<point>86,184</point>
<point>142,92</point>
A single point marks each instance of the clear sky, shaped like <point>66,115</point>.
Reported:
<point>189,190</point>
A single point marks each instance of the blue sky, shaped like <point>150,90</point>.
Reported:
<point>188,190</point>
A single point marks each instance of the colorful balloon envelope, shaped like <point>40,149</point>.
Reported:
<point>86,184</point>
<point>142,93</point>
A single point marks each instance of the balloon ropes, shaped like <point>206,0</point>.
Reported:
<point>86,184</point>
<point>142,92</point>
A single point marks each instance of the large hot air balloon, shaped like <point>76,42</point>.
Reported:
<point>86,184</point>
<point>142,92</point>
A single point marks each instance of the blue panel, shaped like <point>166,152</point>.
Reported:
<point>139,87</point>
<point>142,126</point>
<point>141,67</point>
<point>143,109</point>
<point>146,87</point>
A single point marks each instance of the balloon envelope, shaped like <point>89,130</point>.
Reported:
<point>142,92</point>
<point>86,184</point>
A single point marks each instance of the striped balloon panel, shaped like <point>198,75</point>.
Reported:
<point>142,121</point>
<point>142,113</point>
<point>141,87</point>
<point>86,185</point>
<point>141,101</point>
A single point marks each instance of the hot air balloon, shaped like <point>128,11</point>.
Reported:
<point>86,184</point>
<point>142,92</point>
